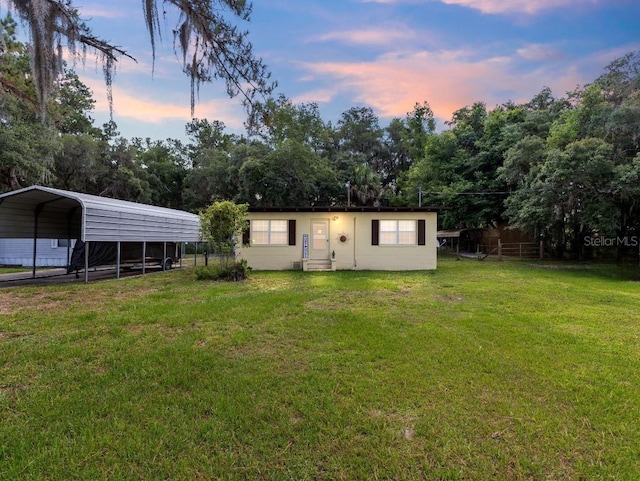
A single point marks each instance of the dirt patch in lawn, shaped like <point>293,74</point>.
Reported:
<point>15,302</point>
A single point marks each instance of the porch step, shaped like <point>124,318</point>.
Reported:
<point>319,265</point>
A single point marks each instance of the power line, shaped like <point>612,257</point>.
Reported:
<point>466,193</point>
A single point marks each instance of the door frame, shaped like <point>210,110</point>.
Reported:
<point>319,253</point>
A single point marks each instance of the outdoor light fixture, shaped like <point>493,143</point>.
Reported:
<point>348,186</point>
<point>335,217</point>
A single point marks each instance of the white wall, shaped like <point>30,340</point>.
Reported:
<point>19,252</point>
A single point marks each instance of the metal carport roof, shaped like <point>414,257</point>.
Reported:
<point>46,213</point>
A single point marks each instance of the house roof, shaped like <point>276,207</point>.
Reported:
<point>449,233</point>
<point>346,209</point>
<point>43,212</point>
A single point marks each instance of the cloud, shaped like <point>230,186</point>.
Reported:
<point>100,11</point>
<point>314,96</point>
<point>539,52</point>
<point>514,6</point>
<point>448,80</point>
<point>529,7</point>
<point>145,107</point>
<point>372,36</point>
<point>90,10</point>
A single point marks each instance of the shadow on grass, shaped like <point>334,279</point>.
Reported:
<point>622,271</point>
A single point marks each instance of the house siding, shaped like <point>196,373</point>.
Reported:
<point>19,252</point>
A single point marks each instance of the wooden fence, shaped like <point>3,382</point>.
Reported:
<point>519,250</point>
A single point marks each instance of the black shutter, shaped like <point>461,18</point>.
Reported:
<point>375,229</point>
<point>292,232</point>
<point>246,235</point>
<point>421,232</point>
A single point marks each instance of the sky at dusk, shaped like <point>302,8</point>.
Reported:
<point>384,54</point>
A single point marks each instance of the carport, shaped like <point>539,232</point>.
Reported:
<point>38,212</point>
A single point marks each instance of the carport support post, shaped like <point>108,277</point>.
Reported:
<point>118,260</point>
<point>69,217</point>
<point>35,252</point>
<point>86,262</point>
<point>36,214</point>
<point>144,256</point>
<point>164,256</point>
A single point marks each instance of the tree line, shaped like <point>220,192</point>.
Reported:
<point>559,168</point>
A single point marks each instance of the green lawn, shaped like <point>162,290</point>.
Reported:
<point>476,371</point>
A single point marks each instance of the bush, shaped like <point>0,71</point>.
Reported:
<point>217,272</point>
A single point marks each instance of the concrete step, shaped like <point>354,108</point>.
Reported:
<point>319,265</point>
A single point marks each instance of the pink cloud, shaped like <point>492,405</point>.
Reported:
<point>529,7</point>
<point>145,107</point>
<point>448,80</point>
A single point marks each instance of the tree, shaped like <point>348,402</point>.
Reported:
<point>283,120</point>
<point>162,166</point>
<point>359,132</point>
<point>564,194</point>
<point>366,186</point>
<point>78,164</point>
<point>212,48</point>
<point>217,175</point>
<point>222,225</point>
<point>26,146</point>
<point>71,104</point>
<point>290,175</point>
<point>404,143</point>
<point>420,124</point>
<point>578,174</point>
<point>206,136</point>
<point>120,173</point>
<point>359,140</point>
<point>458,169</point>
<point>215,159</point>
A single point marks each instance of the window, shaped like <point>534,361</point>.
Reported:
<point>398,232</point>
<point>269,232</point>
<point>55,243</point>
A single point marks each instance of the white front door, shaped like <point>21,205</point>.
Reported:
<point>319,239</point>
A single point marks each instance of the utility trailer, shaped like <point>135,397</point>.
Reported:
<point>163,254</point>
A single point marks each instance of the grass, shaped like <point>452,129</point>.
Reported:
<point>479,370</point>
<point>13,270</point>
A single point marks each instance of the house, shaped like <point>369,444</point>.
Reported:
<point>341,238</point>
<point>50,252</point>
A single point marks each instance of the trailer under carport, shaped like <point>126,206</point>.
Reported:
<point>38,212</point>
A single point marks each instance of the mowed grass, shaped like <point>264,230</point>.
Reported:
<point>476,371</point>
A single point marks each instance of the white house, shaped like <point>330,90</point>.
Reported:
<point>341,238</point>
